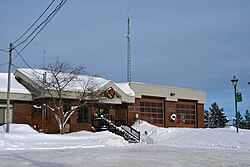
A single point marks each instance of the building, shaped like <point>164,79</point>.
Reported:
<point>121,103</point>
<point>168,106</point>
<point>20,100</point>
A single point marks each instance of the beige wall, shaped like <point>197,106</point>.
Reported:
<point>141,89</point>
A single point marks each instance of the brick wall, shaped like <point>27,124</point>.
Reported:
<point>75,126</point>
<point>22,113</point>
<point>200,115</point>
<point>170,108</point>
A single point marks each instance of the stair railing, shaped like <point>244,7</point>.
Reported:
<point>133,132</point>
<point>121,132</point>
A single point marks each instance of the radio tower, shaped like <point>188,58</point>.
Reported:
<point>128,47</point>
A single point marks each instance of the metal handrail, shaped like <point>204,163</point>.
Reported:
<point>133,132</point>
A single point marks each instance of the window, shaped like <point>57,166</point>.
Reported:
<point>160,115</point>
<point>153,104</point>
<point>142,104</point>
<point>159,104</point>
<point>83,115</point>
<point>160,121</point>
<point>147,104</point>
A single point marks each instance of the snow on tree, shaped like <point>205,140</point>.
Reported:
<point>247,115</point>
<point>245,123</point>
<point>240,117</point>
<point>215,117</point>
<point>60,80</point>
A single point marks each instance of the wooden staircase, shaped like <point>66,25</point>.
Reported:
<point>127,132</point>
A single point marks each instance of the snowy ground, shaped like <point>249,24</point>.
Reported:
<point>160,147</point>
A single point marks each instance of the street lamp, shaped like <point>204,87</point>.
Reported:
<point>234,81</point>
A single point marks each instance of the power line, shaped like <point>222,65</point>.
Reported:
<point>4,63</point>
<point>18,53</point>
<point>16,67</point>
<point>3,50</point>
<point>44,23</point>
<point>34,22</point>
<point>23,71</point>
<point>23,59</point>
<point>41,26</point>
<point>39,31</point>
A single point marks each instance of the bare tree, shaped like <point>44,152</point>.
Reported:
<point>61,81</point>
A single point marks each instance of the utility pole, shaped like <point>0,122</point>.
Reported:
<point>8,89</point>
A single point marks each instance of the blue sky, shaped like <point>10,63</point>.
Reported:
<point>182,43</point>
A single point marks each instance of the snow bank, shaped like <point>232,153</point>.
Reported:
<point>23,137</point>
<point>220,138</point>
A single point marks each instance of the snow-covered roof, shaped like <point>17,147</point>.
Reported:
<point>31,78</point>
<point>125,87</point>
<point>38,74</point>
<point>15,87</point>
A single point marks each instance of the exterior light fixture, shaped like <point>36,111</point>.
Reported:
<point>172,94</point>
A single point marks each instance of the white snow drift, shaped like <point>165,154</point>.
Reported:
<point>220,138</point>
<point>23,137</point>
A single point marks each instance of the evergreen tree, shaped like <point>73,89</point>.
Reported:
<point>247,115</point>
<point>240,118</point>
<point>246,124</point>
<point>206,118</point>
<point>216,117</point>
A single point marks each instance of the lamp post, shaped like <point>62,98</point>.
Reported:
<point>234,81</point>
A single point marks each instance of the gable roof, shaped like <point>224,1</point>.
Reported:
<point>29,78</point>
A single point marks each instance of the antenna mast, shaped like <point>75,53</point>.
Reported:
<point>128,47</point>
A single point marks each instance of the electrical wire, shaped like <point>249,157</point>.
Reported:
<point>45,22</point>
<point>51,17</point>
<point>23,71</point>
<point>24,59</point>
<point>16,67</point>
<point>39,28</point>
<point>18,53</point>
<point>34,22</point>
<point>3,50</point>
<point>42,24</point>
<point>4,63</point>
